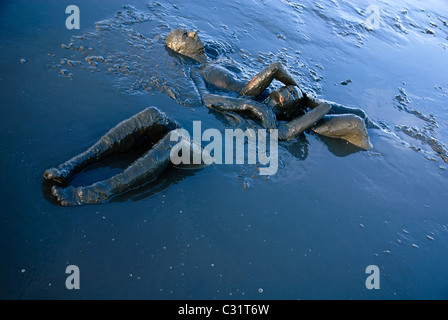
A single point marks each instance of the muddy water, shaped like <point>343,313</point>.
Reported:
<point>223,232</point>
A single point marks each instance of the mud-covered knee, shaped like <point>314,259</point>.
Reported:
<point>153,113</point>
<point>277,65</point>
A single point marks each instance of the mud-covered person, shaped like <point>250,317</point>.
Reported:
<point>288,109</point>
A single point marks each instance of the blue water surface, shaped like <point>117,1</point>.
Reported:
<point>225,232</point>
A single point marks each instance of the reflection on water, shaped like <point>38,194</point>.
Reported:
<point>223,231</point>
<point>159,185</point>
<point>340,148</point>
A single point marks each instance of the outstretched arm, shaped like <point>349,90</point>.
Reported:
<point>292,129</point>
<point>231,104</point>
<point>261,81</point>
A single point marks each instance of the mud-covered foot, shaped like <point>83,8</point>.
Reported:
<point>70,196</point>
<point>66,196</point>
<point>55,174</point>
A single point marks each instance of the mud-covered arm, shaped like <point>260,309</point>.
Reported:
<point>231,104</point>
<point>199,82</point>
<point>292,129</point>
<point>262,80</point>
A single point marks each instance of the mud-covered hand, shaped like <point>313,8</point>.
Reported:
<point>266,116</point>
<point>232,104</point>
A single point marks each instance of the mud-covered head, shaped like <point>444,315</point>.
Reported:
<point>186,43</point>
<point>286,102</point>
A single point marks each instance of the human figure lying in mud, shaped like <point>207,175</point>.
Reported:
<point>287,109</point>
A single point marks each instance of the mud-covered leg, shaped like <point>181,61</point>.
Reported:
<point>261,81</point>
<point>337,108</point>
<point>349,127</point>
<point>292,129</point>
<point>143,170</point>
<point>119,139</point>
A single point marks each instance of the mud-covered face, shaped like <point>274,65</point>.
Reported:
<point>286,101</point>
<point>185,42</point>
<point>284,96</point>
